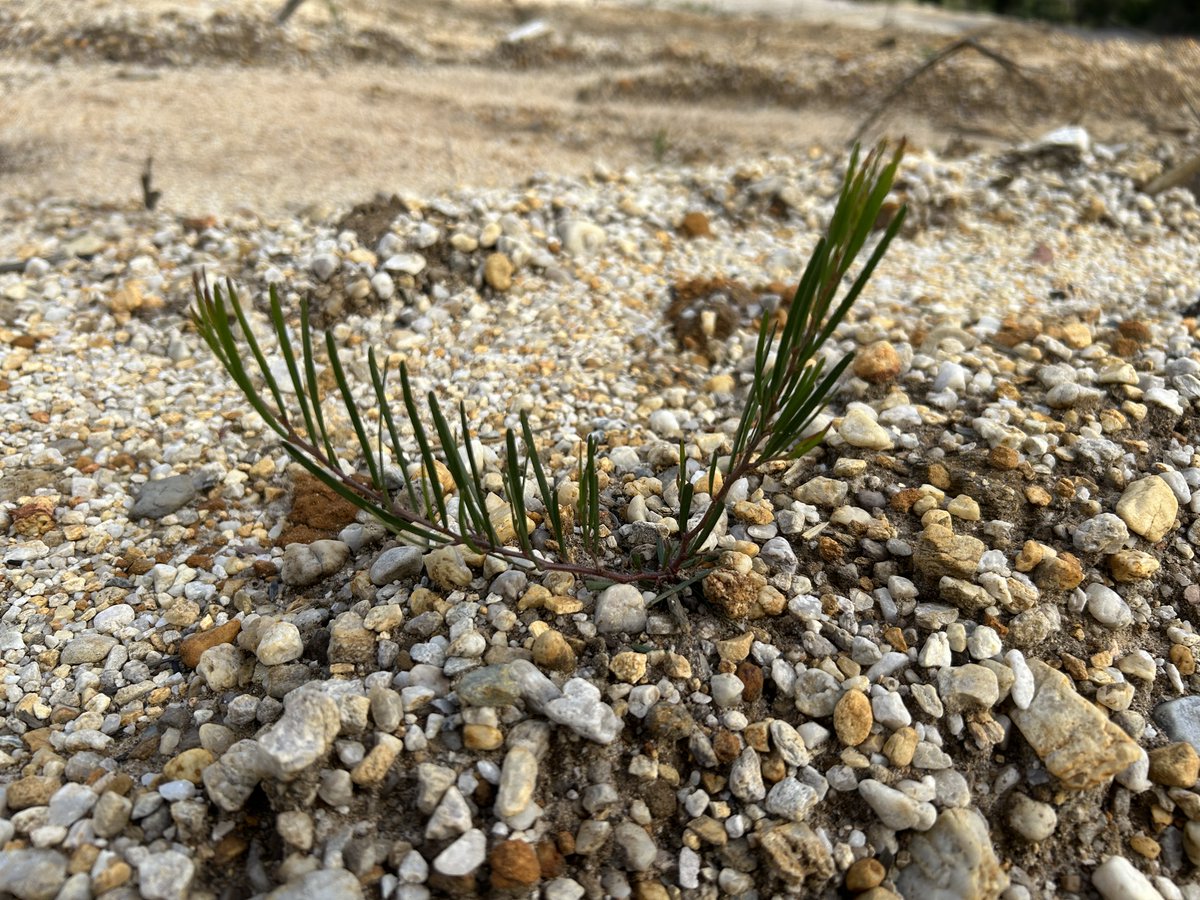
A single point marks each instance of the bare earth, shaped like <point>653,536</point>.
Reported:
<point>419,98</point>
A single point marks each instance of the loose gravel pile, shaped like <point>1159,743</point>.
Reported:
<point>950,654</point>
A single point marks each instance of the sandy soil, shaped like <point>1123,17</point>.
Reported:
<point>420,98</point>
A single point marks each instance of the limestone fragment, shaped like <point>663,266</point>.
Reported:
<point>954,860</point>
<point>1078,744</point>
<point>1149,507</point>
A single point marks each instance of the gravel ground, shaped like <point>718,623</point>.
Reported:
<point>950,654</point>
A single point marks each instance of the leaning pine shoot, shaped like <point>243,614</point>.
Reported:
<point>791,386</point>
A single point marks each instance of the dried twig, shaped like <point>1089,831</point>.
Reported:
<point>286,13</point>
<point>945,53</point>
<point>150,196</point>
<point>1180,174</point>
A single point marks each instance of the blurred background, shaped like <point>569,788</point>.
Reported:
<point>314,106</point>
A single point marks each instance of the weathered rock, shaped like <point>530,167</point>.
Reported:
<point>306,564</point>
<point>446,568</point>
<point>1175,765</point>
<point>878,362</point>
<point>954,860</point>
<point>939,551</point>
<point>853,718</point>
<point>735,594</point>
<point>859,428</point>
<point>968,687</point>
<point>165,876</point>
<point>514,866</point>
<point>1132,565</point>
<point>620,608</point>
<point>1032,820</point>
<point>797,854</point>
<point>1078,744</point>
<point>32,790</point>
<point>1104,533</point>
<point>581,709</point>
<point>220,667</point>
<point>310,723</point>
<point>32,874</point>
<point>1117,879</point>
<point>396,563</point>
<point>1180,719</point>
<point>1149,507</point>
<point>350,641</point>
<point>87,648</point>
<point>280,644</point>
<point>320,884</point>
<point>162,497</point>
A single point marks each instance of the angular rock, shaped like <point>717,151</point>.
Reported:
<point>968,687</point>
<point>954,860</point>
<point>940,552</point>
<point>798,855</point>
<point>350,641</point>
<point>165,876</point>
<point>451,818</point>
<point>320,884</point>
<point>232,779</point>
<point>1175,765</point>
<point>432,783</point>
<point>1077,742</point>
<point>446,568</point>
<point>310,723</point>
<point>515,866</point>
<point>581,709</point>
<point>737,595</point>
<point>745,777</point>
<point>111,814</point>
<point>72,801</point>
<point>1105,533</point>
<point>791,799</point>
<point>464,856</point>
<point>635,848</point>
<point>895,808</point>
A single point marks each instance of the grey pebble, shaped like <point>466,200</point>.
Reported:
<point>396,564</point>
<point>162,497</point>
